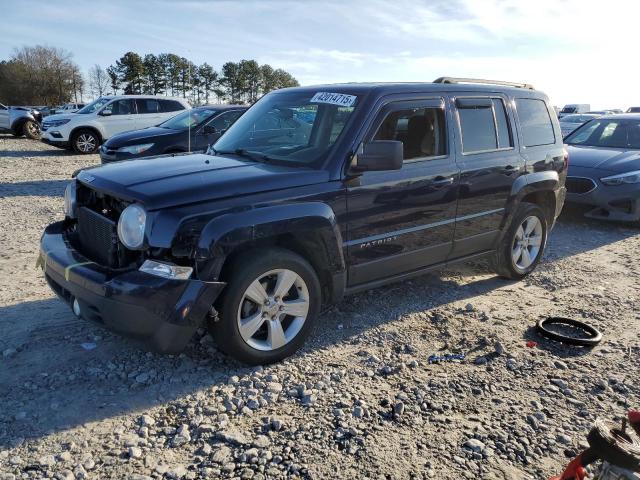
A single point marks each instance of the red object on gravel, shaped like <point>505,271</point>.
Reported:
<point>634,420</point>
<point>532,344</point>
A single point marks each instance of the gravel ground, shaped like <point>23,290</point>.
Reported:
<point>359,401</point>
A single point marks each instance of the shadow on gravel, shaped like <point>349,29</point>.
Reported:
<point>557,349</point>
<point>37,188</point>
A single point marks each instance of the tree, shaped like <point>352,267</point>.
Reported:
<point>99,81</point>
<point>251,78</point>
<point>208,80</point>
<point>232,81</point>
<point>77,82</point>
<point>155,82</point>
<point>114,78</point>
<point>39,75</point>
<point>131,72</point>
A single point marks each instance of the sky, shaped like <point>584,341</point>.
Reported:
<point>576,51</point>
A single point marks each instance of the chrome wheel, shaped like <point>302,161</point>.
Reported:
<point>273,309</point>
<point>527,243</point>
<point>86,143</point>
<point>32,129</point>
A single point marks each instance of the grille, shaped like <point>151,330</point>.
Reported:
<point>98,237</point>
<point>580,185</point>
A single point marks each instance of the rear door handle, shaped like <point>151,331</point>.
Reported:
<point>442,181</point>
<point>509,168</point>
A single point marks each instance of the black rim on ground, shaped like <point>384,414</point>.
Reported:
<point>590,338</point>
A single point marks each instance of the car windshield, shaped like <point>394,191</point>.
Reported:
<point>568,110</point>
<point>290,126</point>
<point>95,105</point>
<point>607,133</point>
<point>190,118</point>
<point>573,119</point>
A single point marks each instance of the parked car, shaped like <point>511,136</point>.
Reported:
<point>66,108</point>
<point>569,123</point>
<point>20,121</point>
<point>192,130</point>
<point>572,108</point>
<point>392,180</point>
<point>604,173</point>
<point>85,130</point>
<point>633,110</point>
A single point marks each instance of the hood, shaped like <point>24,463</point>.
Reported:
<point>163,182</point>
<point>615,160</point>
<point>61,116</point>
<point>143,135</point>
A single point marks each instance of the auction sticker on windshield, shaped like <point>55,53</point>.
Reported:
<point>334,99</point>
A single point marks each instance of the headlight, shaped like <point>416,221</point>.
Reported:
<point>136,149</point>
<point>131,226</point>
<point>70,200</point>
<point>166,270</point>
<point>57,123</point>
<point>622,178</point>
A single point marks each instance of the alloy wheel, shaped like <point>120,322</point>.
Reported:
<point>273,309</point>
<point>86,142</point>
<point>527,243</point>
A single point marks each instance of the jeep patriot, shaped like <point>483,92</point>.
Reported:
<point>313,194</point>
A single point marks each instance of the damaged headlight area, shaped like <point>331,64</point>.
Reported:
<point>166,270</point>
<point>131,226</point>
<point>70,202</point>
<point>622,178</point>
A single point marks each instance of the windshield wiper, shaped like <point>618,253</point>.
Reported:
<point>241,152</point>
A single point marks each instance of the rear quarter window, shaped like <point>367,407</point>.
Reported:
<point>535,122</point>
<point>170,106</point>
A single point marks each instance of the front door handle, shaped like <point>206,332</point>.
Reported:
<point>442,181</point>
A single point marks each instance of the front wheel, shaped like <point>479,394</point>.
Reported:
<point>31,130</point>
<point>523,244</point>
<point>271,302</point>
<point>85,142</point>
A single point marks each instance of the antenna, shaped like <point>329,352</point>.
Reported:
<point>189,136</point>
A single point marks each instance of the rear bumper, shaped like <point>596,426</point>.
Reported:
<point>162,313</point>
<point>619,203</point>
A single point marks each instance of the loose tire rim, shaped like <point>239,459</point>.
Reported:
<point>527,243</point>
<point>86,143</point>
<point>273,309</point>
<point>33,128</point>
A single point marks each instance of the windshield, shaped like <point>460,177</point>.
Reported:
<point>607,133</point>
<point>95,105</point>
<point>190,118</point>
<point>291,126</point>
<point>568,110</point>
<point>573,119</point>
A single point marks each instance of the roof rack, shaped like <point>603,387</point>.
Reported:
<point>480,80</point>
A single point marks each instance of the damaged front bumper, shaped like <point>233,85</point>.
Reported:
<point>163,313</point>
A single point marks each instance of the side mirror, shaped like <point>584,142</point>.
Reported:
<point>106,113</point>
<point>380,155</point>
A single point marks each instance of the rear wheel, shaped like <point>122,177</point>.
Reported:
<point>523,244</point>
<point>85,142</point>
<point>270,305</point>
<point>31,129</point>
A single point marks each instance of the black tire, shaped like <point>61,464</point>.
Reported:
<point>85,142</point>
<point>592,335</point>
<point>248,268</point>
<point>31,130</point>
<point>614,446</point>
<point>503,263</point>
<point>16,133</point>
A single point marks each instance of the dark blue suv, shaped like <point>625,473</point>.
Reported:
<point>314,193</point>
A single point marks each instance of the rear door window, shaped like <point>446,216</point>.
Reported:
<point>484,125</point>
<point>121,107</point>
<point>147,105</point>
<point>170,106</point>
<point>535,122</point>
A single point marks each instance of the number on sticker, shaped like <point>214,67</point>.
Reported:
<point>334,99</point>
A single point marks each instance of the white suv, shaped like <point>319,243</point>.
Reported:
<point>105,117</point>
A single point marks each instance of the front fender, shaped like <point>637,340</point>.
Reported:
<point>223,234</point>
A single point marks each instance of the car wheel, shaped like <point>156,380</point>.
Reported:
<point>523,244</point>
<point>85,142</point>
<point>31,130</point>
<point>271,302</point>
